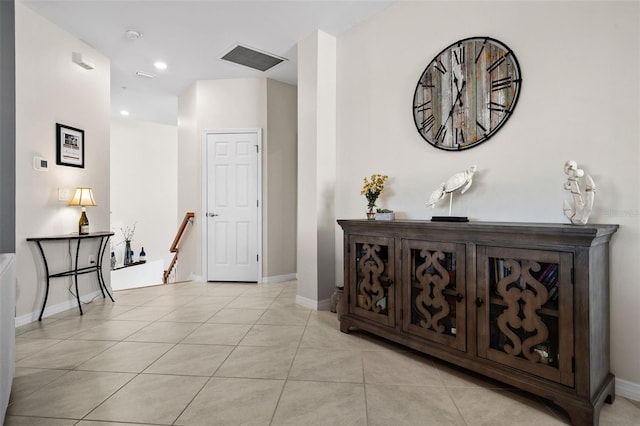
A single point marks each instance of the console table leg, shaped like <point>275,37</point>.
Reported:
<point>75,276</point>
<point>101,283</point>
<point>99,266</point>
<point>46,273</point>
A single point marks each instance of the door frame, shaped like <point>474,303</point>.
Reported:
<point>205,180</point>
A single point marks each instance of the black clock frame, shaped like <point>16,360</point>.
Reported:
<point>435,63</point>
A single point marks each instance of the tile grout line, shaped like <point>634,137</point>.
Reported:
<point>286,379</point>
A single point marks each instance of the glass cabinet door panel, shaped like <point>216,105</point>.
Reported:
<point>373,292</point>
<point>434,291</point>
<point>521,293</point>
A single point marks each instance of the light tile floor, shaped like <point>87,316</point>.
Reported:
<point>232,354</point>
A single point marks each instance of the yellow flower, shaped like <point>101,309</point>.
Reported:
<point>372,188</point>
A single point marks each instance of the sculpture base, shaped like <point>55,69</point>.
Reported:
<point>449,219</point>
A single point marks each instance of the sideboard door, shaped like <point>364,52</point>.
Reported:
<point>372,274</point>
<point>525,310</point>
<point>434,296</point>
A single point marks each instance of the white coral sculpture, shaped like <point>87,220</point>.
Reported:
<point>579,213</point>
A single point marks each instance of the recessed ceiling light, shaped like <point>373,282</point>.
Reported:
<point>145,74</point>
<point>160,65</point>
<point>124,112</point>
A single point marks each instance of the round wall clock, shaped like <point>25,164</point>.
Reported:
<point>466,93</point>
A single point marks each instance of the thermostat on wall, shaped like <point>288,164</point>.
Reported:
<point>40,163</point>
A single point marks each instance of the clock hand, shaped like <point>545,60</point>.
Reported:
<point>458,97</point>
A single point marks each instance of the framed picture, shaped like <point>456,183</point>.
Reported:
<point>69,146</point>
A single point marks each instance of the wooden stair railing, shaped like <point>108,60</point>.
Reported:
<point>188,218</point>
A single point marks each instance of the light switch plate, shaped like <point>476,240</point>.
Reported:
<point>64,194</point>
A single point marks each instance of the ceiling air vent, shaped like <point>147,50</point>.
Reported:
<point>251,58</point>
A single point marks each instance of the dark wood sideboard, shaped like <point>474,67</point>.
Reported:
<point>523,303</point>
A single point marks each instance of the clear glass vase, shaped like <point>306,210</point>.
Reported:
<point>127,253</point>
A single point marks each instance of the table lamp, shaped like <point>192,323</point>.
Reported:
<point>83,197</point>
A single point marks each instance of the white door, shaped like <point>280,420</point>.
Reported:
<point>232,207</point>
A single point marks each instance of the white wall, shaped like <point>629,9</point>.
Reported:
<point>280,181</point>
<point>317,169</point>
<point>189,184</point>
<point>51,89</point>
<point>580,100</point>
<point>144,187</point>
<point>230,104</point>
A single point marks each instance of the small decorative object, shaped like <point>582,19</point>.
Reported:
<point>543,351</point>
<point>385,214</point>
<point>459,180</point>
<point>372,189</point>
<point>128,253</point>
<point>143,255</point>
<point>467,93</point>
<point>579,213</point>
<point>83,197</point>
<point>113,260</point>
<point>69,146</point>
<point>127,233</point>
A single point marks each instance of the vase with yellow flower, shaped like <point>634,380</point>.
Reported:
<point>372,189</point>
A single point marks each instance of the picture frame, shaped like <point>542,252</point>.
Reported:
<point>69,146</point>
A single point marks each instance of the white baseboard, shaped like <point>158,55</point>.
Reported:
<point>627,389</point>
<point>279,278</point>
<point>195,278</point>
<point>316,305</point>
<point>52,310</point>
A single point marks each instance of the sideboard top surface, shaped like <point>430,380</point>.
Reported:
<point>575,234</point>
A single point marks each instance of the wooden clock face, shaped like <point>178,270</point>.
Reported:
<point>466,93</point>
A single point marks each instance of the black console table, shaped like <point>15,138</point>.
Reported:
<point>75,270</point>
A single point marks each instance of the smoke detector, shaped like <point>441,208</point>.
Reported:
<point>132,34</point>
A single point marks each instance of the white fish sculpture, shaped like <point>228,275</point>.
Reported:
<point>459,180</point>
<point>579,213</point>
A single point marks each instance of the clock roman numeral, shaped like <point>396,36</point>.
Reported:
<point>495,106</point>
<point>458,54</point>
<point>423,106</point>
<point>440,66</point>
<point>496,64</point>
<point>480,51</point>
<point>427,123</point>
<point>501,83</point>
<point>481,126</point>
<point>441,134</point>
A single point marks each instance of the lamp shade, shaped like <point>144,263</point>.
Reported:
<point>83,197</point>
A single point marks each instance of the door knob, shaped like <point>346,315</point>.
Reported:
<point>212,214</point>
